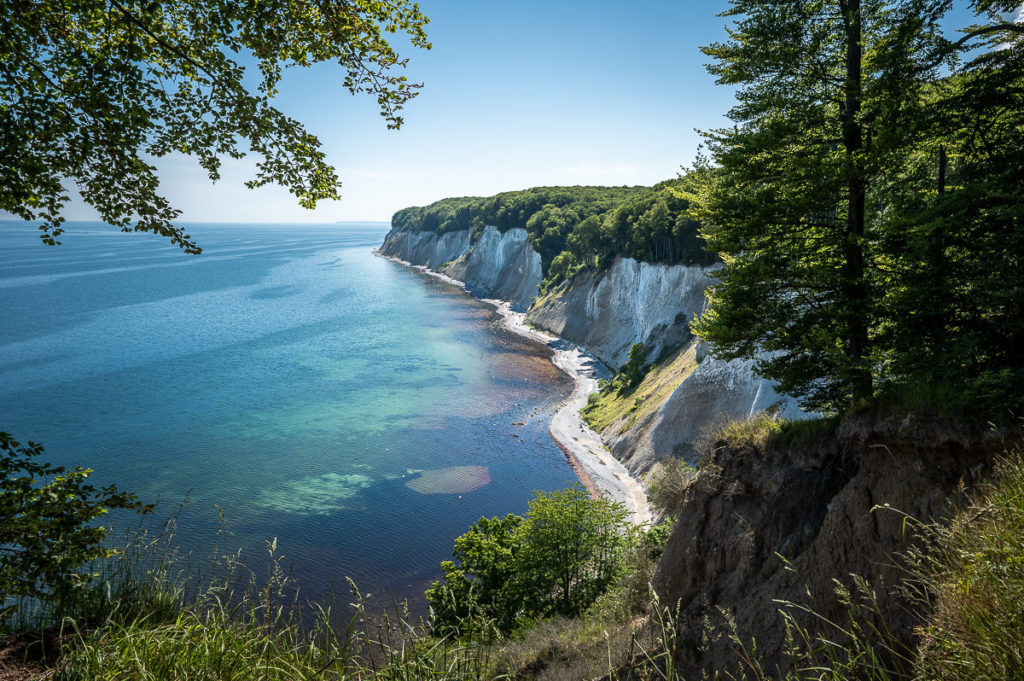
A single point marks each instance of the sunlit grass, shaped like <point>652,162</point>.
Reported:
<point>976,631</point>
<point>147,622</point>
<point>626,408</point>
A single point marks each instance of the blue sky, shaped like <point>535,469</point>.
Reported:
<point>516,94</point>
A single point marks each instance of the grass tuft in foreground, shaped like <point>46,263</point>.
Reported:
<point>235,629</point>
<point>970,577</point>
<point>976,631</point>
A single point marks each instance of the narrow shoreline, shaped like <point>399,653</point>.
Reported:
<point>600,472</point>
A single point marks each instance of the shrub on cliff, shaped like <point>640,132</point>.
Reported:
<point>555,561</point>
<point>635,368</point>
<point>48,529</point>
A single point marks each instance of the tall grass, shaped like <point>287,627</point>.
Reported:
<point>257,628</point>
<point>766,429</point>
<point>966,581</point>
<point>976,631</point>
<point>667,487</point>
<point>134,582</point>
<point>147,622</point>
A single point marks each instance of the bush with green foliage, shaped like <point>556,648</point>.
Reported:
<point>555,561</point>
<point>635,368</point>
<point>480,583</point>
<point>48,530</point>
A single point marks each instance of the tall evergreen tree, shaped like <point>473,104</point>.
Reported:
<point>829,98</point>
<point>954,309</point>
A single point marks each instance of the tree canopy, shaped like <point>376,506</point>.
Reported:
<point>91,91</point>
<point>556,560</point>
<point>574,228</point>
<point>860,197</point>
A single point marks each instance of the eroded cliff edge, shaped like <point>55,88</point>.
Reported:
<point>606,312</point>
<point>757,523</point>
<point>762,525</point>
<point>495,265</point>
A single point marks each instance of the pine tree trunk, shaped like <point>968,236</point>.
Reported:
<point>936,331</point>
<point>855,285</point>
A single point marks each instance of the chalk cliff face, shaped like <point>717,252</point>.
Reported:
<point>716,392</point>
<point>632,302</point>
<point>425,248</point>
<point>497,265</point>
<point>500,265</point>
<point>606,313</point>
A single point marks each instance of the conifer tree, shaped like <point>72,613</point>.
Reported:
<point>828,101</point>
<point>953,310</point>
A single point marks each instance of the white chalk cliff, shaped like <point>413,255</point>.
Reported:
<point>631,302</point>
<point>497,265</point>
<point>607,312</point>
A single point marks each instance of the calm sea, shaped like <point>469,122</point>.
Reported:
<point>286,380</point>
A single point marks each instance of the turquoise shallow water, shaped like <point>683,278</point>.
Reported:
<point>360,412</point>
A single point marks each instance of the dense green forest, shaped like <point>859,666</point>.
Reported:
<point>867,205</point>
<point>576,227</point>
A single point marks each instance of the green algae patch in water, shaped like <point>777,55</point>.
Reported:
<point>451,480</point>
<point>317,495</point>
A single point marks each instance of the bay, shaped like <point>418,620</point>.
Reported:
<point>285,384</point>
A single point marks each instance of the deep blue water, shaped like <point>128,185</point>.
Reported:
<point>360,412</point>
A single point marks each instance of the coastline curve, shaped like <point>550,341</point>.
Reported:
<point>598,470</point>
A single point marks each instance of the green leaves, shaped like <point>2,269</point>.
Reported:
<point>557,560</point>
<point>829,103</point>
<point>865,207</point>
<point>89,89</point>
<point>570,550</point>
<point>481,585</point>
<point>573,228</point>
<point>48,530</point>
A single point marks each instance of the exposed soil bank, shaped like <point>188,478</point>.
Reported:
<point>759,526</point>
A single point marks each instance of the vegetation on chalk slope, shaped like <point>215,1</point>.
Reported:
<point>624,402</point>
<point>573,228</point>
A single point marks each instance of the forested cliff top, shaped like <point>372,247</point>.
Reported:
<point>577,227</point>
